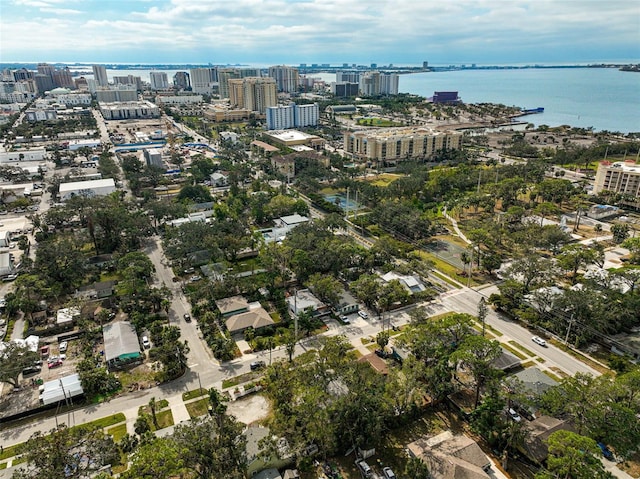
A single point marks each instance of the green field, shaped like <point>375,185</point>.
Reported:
<point>375,121</point>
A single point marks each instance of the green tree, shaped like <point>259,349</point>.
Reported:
<point>326,287</point>
<point>14,358</point>
<point>67,453</point>
<point>572,456</point>
<point>620,232</point>
<point>159,458</point>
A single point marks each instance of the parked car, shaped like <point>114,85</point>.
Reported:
<point>145,342</point>
<point>345,319</point>
<point>364,468</point>
<point>63,346</point>
<point>10,277</point>
<point>388,473</point>
<point>54,363</point>
<point>539,341</point>
<point>514,415</point>
<point>606,452</point>
<point>257,365</point>
<point>363,314</point>
<point>187,318</point>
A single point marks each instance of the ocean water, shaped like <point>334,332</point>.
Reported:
<point>602,98</point>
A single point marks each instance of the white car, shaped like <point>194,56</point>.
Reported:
<point>63,347</point>
<point>539,341</point>
<point>363,314</point>
<point>145,342</point>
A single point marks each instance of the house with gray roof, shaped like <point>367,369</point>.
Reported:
<point>121,346</point>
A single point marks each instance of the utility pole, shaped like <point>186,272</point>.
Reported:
<point>566,339</point>
<point>482,313</point>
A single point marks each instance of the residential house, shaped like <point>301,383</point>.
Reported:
<point>304,300</point>
<point>450,456</point>
<point>121,346</point>
<point>255,449</point>
<point>67,315</point>
<point>535,443</point>
<point>411,283</point>
<point>232,305</point>
<point>347,303</point>
<point>219,179</point>
<point>100,290</point>
<point>256,318</point>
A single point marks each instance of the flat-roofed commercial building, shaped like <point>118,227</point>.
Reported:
<point>396,144</point>
<point>620,177</point>
<point>220,113</point>
<point>127,110</point>
<point>292,138</point>
<point>89,188</point>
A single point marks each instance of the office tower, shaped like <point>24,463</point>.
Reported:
<point>351,77</point>
<point>181,81</point>
<point>344,89</point>
<point>158,80</point>
<point>100,75</point>
<point>252,93</point>
<point>287,78</point>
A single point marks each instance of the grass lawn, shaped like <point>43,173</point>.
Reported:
<point>165,419</point>
<point>3,465</point>
<point>105,421</point>
<point>541,360</point>
<point>118,432</point>
<point>452,271</point>
<point>384,180</point>
<point>452,239</point>
<point>243,378</point>
<point>528,364</point>
<point>10,451</point>
<point>513,351</point>
<point>522,348</point>
<point>560,372</point>
<point>198,408</point>
<point>195,393</point>
<point>137,375</point>
<point>487,333</point>
<point>375,121</point>
<point>373,346</point>
<point>161,404</point>
<point>632,465</point>
<point>589,362</point>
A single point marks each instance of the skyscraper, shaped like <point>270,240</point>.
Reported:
<point>287,78</point>
<point>202,80</point>
<point>100,75</point>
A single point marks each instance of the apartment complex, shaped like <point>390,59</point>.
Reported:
<point>375,83</point>
<point>394,144</point>
<point>287,78</point>
<point>253,93</point>
<point>283,117</point>
<point>619,177</point>
<point>128,110</point>
<point>181,81</point>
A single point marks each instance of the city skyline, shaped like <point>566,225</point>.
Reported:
<point>322,31</point>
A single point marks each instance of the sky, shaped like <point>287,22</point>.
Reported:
<point>263,32</point>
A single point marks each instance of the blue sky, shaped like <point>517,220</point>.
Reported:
<point>320,31</point>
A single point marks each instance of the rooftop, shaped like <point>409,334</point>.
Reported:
<point>86,185</point>
<point>255,318</point>
<point>289,135</point>
<point>231,304</point>
<point>629,165</point>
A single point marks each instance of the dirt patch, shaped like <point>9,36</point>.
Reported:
<point>632,465</point>
<point>249,409</point>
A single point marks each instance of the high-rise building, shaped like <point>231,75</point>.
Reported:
<point>287,78</point>
<point>389,84</point>
<point>202,80</point>
<point>374,83</point>
<point>620,177</point>
<point>158,80</point>
<point>226,74</point>
<point>44,82</point>
<point>63,78</point>
<point>283,117</point>
<point>351,77</point>
<point>128,80</point>
<point>181,81</point>
<point>100,75</point>
<point>22,74</point>
<point>253,93</point>
<point>46,69</point>
<point>344,89</point>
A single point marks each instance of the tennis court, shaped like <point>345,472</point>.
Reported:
<point>446,251</point>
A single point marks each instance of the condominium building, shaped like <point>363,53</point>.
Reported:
<point>202,80</point>
<point>226,74</point>
<point>181,81</point>
<point>128,80</point>
<point>123,93</point>
<point>283,117</point>
<point>344,89</point>
<point>158,80</point>
<point>253,93</point>
<point>287,78</point>
<point>375,83</point>
<point>127,110</point>
<point>394,144</point>
<point>620,177</point>
<point>351,77</point>
<point>100,75</point>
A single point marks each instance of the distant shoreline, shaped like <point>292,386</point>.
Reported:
<point>327,68</point>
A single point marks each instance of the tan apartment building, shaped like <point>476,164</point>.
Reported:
<point>395,144</point>
<point>253,93</point>
<point>220,113</point>
<point>620,177</point>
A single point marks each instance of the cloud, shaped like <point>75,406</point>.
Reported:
<point>327,30</point>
